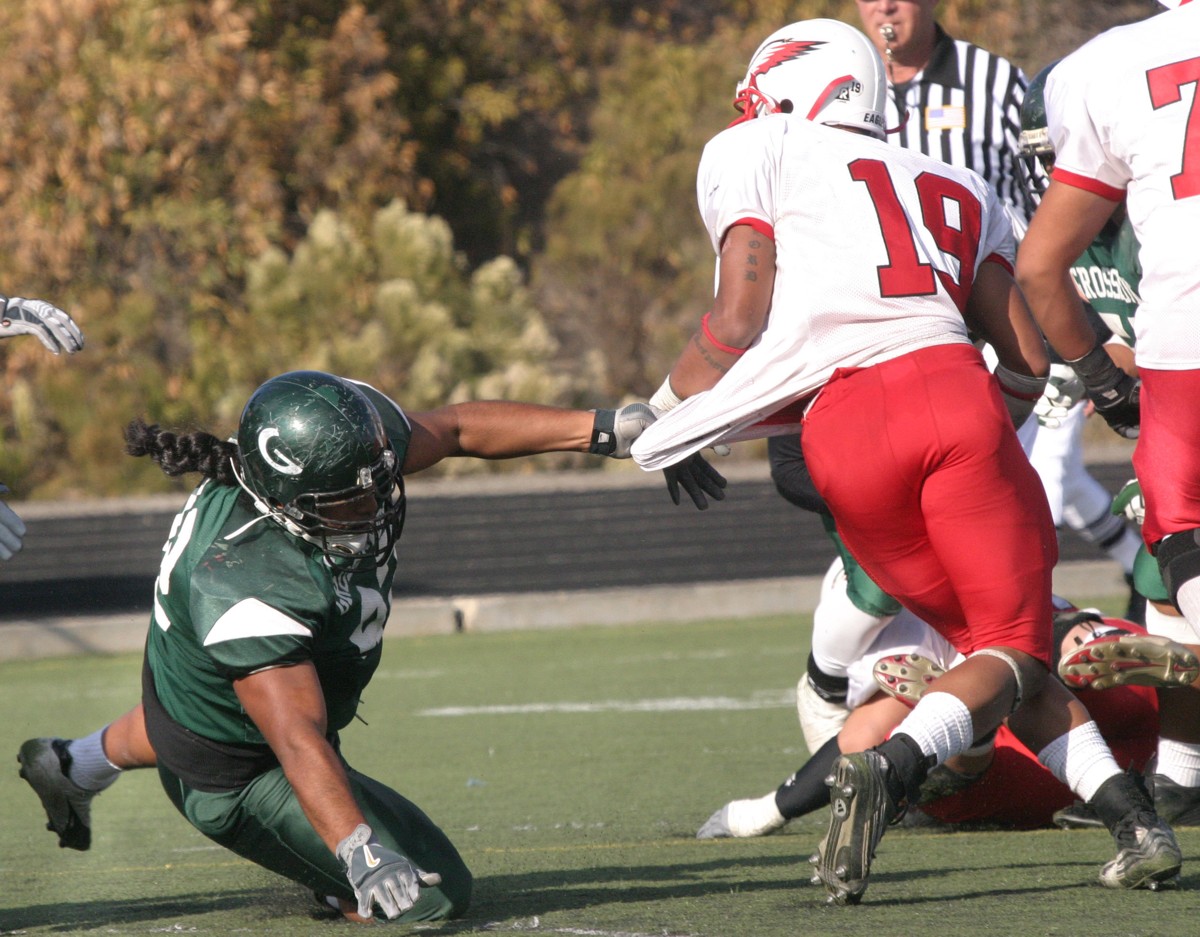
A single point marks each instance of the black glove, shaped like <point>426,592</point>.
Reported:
<point>697,478</point>
<point>1117,396</point>
<point>380,876</point>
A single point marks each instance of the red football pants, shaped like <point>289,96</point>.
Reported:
<point>1167,457</point>
<point>932,494</point>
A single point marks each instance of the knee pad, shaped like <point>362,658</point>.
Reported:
<point>1012,665</point>
<point>1179,560</point>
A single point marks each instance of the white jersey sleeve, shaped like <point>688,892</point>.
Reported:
<point>1124,119</point>
<point>733,186</point>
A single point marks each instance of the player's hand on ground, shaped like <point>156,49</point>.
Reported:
<point>53,327</point>
<point>380,876</point>
<point>1064,389</point>
<point>699,479</point>
<point>12,529</point>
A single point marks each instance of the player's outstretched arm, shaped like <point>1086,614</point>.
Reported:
<point>497,429</point>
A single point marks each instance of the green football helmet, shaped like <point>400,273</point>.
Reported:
<point>314,457</point>
<point>1035,134</point>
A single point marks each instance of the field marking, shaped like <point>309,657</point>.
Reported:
<point>535,924</point>
<point>768,699</point>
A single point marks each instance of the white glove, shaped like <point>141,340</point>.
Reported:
<point>1064,389</point>
<point>12,529</point>
<point>1129,501</point>
<point>53,327</point>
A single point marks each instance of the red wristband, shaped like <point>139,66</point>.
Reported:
<point>719,345</point>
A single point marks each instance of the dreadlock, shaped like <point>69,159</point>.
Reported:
<point>179,453</point>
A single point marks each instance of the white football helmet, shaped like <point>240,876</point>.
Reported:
<point>824,70</point>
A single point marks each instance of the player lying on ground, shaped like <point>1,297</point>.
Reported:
<point>998,782</point>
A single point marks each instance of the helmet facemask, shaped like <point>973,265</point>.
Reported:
<point>1035,137</point>
<point>334,520</point>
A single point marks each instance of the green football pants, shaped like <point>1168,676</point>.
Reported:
<point>263,822</point>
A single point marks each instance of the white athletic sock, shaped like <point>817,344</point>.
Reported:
<point>1080,759</point>
<point>90,768</point>
<point>1174,627</point>
<point>940,724</point>
<point>1189,604</point>
<point>1179,761</point>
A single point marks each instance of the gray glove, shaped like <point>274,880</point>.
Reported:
<point>1063,391</point>
<point>380,876</point>
<point>12,529</point>
<point>53,327</point>
<point>614,431</point>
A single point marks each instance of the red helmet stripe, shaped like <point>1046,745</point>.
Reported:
<point>824,95</point>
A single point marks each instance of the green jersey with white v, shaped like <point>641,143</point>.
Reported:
<point>236,594</point>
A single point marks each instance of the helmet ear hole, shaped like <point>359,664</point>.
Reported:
<point>786,106</point>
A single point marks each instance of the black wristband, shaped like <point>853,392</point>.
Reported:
<point>604,436</point>
<point>1097,370</point>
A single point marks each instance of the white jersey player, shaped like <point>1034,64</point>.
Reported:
<point>849,272</point>
<point>1123,118</point>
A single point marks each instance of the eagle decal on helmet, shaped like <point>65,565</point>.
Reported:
<point>844,86</point>
<point>788,50</point>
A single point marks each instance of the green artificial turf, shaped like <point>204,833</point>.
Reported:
<point>572,768</point>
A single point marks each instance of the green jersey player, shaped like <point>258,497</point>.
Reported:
<point>268,621</point>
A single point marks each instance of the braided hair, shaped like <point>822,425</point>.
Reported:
<point>178,453</point>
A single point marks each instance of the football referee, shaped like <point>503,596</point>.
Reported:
<point>951,99</point>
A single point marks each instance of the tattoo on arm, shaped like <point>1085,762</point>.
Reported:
<point>752,261</point>
<point>708,358</point>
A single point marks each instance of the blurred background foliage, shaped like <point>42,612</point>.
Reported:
<point>451,199</point>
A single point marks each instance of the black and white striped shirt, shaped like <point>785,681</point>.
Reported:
<point>964,108</point>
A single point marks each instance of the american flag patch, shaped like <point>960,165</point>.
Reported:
<point>946,117</point>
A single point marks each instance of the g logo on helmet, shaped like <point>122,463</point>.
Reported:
<point>274,455</point>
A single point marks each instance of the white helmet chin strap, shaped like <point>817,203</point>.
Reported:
<point>266,511</point>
